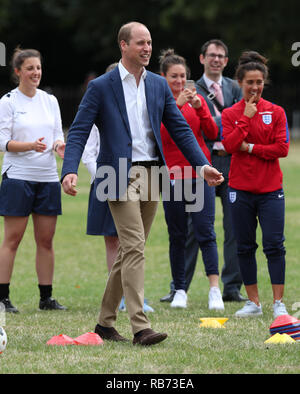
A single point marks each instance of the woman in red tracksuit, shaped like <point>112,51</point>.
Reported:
<point>255,132</point>
<point>196,112</point>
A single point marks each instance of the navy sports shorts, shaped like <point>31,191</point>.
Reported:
<point>21,198</point>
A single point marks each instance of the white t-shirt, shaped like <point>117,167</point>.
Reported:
<point>26,119</point>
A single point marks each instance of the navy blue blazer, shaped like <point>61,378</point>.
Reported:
<point>104,105</point>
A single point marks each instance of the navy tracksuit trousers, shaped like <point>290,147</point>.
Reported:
<point>268,209</point>
<point>203,224</point>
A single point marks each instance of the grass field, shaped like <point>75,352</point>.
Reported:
<point>80,278</point>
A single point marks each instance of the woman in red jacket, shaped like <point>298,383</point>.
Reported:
<point>195,110</point>
<point>255,132</point>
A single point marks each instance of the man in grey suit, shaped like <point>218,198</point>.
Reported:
<point>128,105</point>
<point>214,58</point>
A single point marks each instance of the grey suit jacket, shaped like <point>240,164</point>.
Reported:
<point>232,94</point>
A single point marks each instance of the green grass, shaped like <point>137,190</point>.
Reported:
<point>80,277</point>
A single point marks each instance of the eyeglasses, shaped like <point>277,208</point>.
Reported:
<point>213,55</point>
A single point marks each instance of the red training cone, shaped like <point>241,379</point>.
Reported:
<point>61,340</point>
<point>286,324</point>
<point>284,320</point>
<point>89,338</point>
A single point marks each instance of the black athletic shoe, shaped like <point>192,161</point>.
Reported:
<point>9,306</point>
<point>169,297</point>
<point>50,304</point>
<point>234,297</point>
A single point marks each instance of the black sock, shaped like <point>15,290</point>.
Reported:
<point>45,291</point>
<point>4,290</point>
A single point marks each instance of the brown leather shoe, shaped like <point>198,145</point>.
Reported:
<point>109,333</point>
<point>148,337</point>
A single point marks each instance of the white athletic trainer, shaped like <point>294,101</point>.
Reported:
<point>179,300</point>
<point>215,300</point>
<point>279,309</point>
<point>250,309</point>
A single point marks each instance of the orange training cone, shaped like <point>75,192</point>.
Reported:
<point>61,340</point>
<point>89,338</point>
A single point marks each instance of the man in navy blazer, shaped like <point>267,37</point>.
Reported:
<point>128,105</point>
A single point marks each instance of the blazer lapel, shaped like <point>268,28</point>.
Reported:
<point>149,93</point>
<point>117,88</point>
<point>209,102</point>
<point>226,89</point>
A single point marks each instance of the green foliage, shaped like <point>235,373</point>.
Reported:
<point>83,32</point>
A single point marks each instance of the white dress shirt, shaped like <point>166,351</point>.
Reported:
<point>143,140</point>
<point>218,144</point>
<point>209,83</point>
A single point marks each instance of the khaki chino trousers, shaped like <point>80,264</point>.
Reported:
<point>133,217</point>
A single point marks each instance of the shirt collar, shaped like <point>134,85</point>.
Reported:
<point>125,73</point>
<point>209,82</point>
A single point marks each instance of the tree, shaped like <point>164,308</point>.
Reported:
<point>77,36</point>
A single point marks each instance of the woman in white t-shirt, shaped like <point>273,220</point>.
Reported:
<point>30,133</point>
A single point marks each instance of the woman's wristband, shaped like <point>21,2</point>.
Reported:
<point>250,148</point>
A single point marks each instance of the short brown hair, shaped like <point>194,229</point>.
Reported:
<point>217,43</point>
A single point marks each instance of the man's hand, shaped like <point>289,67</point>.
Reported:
<point>212,176</point>
<point>69,184</point>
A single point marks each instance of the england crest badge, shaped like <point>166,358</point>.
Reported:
<point>267,118</point>
<point>232,197</point>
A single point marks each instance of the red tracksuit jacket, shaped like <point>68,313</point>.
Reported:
<point>198,119</point>
<point>259,171</point>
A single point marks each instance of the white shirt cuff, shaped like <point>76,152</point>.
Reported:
<point>202,170</point>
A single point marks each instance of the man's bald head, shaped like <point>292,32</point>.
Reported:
<point>125,32</point>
